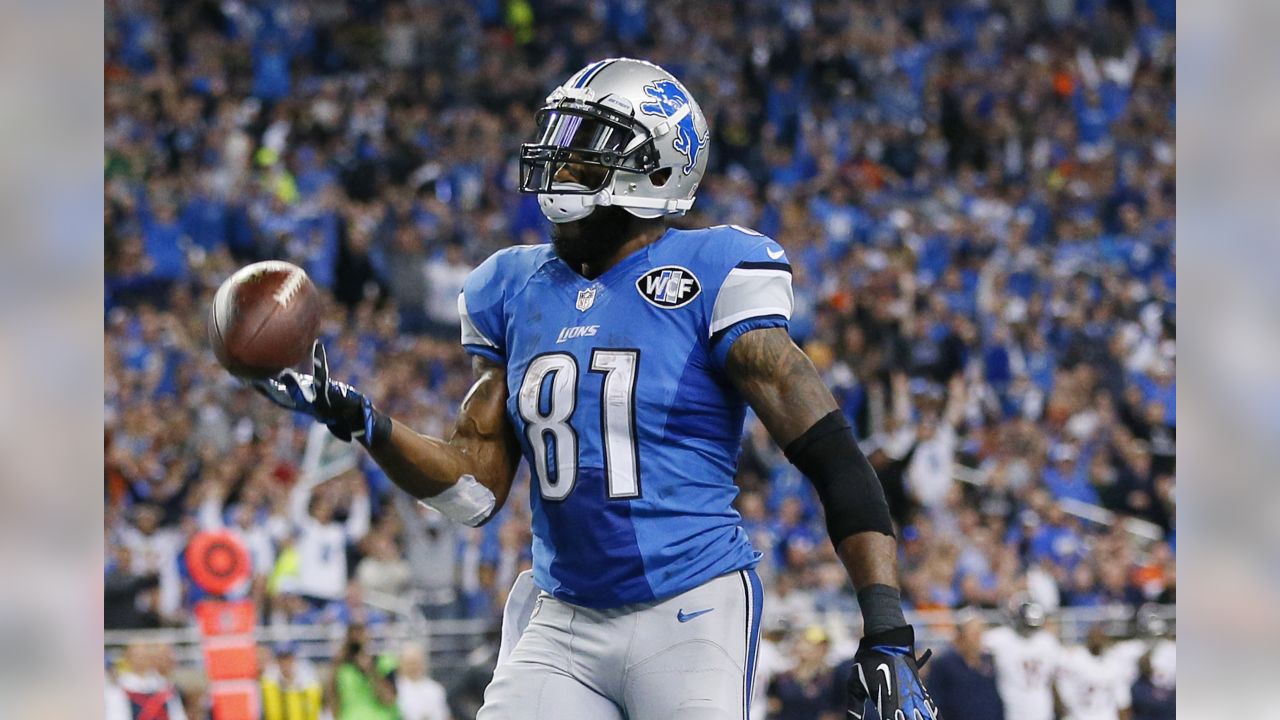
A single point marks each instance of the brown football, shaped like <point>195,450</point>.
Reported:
<point>264,319</point>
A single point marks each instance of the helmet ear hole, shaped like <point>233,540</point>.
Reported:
<point>660,177</point>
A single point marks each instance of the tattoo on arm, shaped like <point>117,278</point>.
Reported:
<point>785,390</point>
<point>780,383</point>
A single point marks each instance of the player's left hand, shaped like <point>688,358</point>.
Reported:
<point>886,675</point>
<point>344,410</point>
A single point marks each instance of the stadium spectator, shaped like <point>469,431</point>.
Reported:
<point>322,541</point>
<point>931,470</point>
<point>361,687</point>
<point>418,696</point>
<point>466,692</point>
<point>143,687</point>
<point>1151,701</point>
<point>963,679</point>
<point>291,688</point>
<point>431,543</point>
<point>383,569</point>
<point>253,522</point>
<point>124,606</point>
<point>445,272</point>
<point>771,661</point>
<point>1082,589</point>
<point>808,690</point>
<point>153,550</point>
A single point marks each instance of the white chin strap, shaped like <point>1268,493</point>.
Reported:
<point>561,207</point>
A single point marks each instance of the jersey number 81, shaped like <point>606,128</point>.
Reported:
<point>547,413</point>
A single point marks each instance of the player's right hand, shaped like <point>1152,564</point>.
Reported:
<point>344,410</point>
<point>886,675</point>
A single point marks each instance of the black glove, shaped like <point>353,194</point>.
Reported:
<point>886,673</point>
<point>344,410</point>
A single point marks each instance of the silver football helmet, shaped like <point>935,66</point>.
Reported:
<point>1029,616</point>
<point>635,122</point>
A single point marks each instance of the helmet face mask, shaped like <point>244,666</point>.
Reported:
<point>629,134</point>
<point>587,136</point>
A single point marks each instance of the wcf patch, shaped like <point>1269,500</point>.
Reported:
<point>669,287</point>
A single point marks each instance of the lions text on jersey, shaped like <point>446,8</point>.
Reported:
<point>620,401</point>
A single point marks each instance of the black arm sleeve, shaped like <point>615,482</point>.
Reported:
<point>851,495</point>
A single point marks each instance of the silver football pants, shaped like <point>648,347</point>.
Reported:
<point>689,657</point>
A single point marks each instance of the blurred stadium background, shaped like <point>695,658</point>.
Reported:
<point>978,197</point>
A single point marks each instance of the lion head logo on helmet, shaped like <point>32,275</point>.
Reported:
<point>668,100</point>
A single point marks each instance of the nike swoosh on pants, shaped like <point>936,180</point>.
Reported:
<point>682,616</point>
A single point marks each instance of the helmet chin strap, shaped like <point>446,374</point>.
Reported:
<point>672,205</point>
<point>560,207</point>
<point>563,207</point>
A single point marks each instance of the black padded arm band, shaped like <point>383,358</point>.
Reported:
<point>851,494</point>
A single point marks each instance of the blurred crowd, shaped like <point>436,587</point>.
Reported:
<point>1017,670</point>
<point>1014,670</point>
<point>147,682</point>
<point>977,197</point>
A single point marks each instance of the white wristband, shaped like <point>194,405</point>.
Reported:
<point>467,502</point>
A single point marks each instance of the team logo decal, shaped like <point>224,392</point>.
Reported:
<point>668,100</point>
<point>586,298</point>
<point>669,287</point>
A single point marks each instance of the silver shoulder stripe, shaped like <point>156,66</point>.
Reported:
<point>751,292</point>
<point>471,335</point>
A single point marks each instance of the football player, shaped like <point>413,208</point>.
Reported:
<point>1026,658</point>
<point>1088,685</point>
<point>619,362</point>
<point>1152,638</point>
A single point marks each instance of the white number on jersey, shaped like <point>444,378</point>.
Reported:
<point>619,419</point>
<point>551,431</point>
<point>555,422</point>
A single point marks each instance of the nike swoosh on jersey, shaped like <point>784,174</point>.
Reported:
<point>684,617</point>
<point>779,254</point>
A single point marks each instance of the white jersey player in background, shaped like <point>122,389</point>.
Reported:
<point>1164,662</point>
<point>1026,660</point>
<point>1151,637</point>
<point>1088,685</point>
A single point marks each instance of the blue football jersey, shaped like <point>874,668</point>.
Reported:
<point>619,397</point>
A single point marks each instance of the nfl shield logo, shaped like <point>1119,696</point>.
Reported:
<point>586,298</point>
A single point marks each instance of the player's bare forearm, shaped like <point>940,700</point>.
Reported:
<point>482,444</point>
<point>780,383</point>
<point>784,388</point>
<point>871,559</point>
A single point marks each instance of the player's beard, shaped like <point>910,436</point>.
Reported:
<point>595,238</point>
